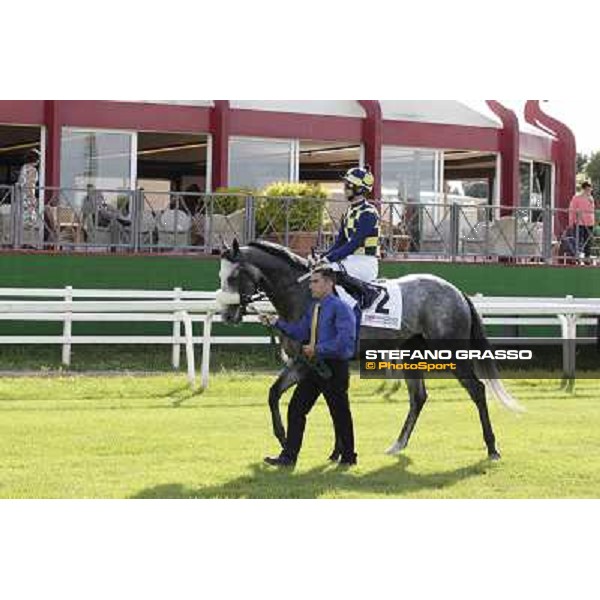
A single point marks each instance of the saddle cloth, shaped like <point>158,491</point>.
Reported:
<point>386,311</point>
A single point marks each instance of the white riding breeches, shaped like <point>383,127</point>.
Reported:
<point>365,268</point>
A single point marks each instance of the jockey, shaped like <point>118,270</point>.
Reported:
<point>356,251</point>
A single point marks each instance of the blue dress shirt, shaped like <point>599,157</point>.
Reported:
<point>336,331</point>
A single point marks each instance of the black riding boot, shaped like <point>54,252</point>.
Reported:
<point>364,293</point>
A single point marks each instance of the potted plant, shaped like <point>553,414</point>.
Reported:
<point>295,207</point>
<point>230,199</point>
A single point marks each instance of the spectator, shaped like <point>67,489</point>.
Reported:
<point>581,219</point>
<point>28,179</point>
<point>51,227</point>
<point>193,201</point>
<point>597,219</point>
<point>568,244</point>
<point>102,214</point>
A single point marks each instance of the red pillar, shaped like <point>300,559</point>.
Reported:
<point>52,120</point>
<point>220,144</point>
<point>566,156</point>
<point>372,139</point>
<point>509,153</point>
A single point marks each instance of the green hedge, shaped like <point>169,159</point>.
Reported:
<point>304,211</point>
<point>225,205</point>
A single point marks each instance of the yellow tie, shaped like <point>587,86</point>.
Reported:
<point>314,325</point>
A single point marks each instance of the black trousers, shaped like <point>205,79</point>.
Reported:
<point>335,391</point>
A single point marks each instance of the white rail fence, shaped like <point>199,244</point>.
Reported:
<point>182,308</point>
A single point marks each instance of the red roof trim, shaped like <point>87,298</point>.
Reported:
<point>22,112</point>
<point>435,135</point>
<point>138,116</point>
<point>267,124</point>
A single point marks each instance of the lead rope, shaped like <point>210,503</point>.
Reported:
<point>316,365</point>
<point>272,335</point>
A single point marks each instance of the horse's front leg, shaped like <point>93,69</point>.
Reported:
<point>288,377</point>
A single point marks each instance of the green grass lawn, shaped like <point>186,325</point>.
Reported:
<point>149,437</point>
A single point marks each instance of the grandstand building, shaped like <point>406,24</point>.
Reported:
<point>419,150</point>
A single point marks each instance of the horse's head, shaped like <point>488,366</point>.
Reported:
<point>239,284</point>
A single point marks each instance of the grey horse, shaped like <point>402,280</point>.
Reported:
<point>433,309</point>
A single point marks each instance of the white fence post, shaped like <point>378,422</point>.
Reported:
<point>206,349</point>
<point>176,357</point>
<point>189,349</point>
<point>572,337</point>
<point>67,328</point>
<point>572,324</point>
<point>564,331</point>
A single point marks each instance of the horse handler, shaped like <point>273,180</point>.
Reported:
<point>328,332</point>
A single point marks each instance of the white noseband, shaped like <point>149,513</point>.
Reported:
<point>225,299</point>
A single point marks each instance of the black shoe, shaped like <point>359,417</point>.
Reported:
<point>280,461</point>
<point>349,461</point>
<point>334,456</point>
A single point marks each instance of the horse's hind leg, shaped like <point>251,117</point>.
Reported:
<point>466,375</point>
<point>417,395</point>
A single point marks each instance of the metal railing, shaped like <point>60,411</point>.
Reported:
<point>93,220</point>
<point>7,216</point>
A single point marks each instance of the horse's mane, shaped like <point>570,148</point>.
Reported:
<point>280,252</point>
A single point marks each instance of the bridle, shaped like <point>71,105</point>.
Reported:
<point>249,298</point>
<point>258,295</point>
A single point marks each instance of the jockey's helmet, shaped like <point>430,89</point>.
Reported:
<point>359,181</point>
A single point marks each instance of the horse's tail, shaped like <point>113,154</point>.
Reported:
<point>487,369</point>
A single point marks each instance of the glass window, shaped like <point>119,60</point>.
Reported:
<point>542,185</point>
<point>99,158</point>
<point>408,174</point>
<point>256,163</point>
<point>412,176</point>
<point>525,183</point>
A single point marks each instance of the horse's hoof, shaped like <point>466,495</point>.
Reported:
<point>495,456</point>
<point>394,450</point>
